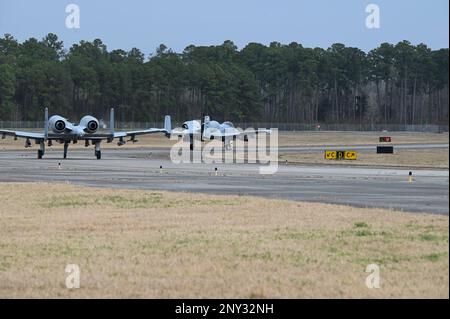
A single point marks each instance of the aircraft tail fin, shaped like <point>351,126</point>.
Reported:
<point>46,122</point>
<point>111,121</point>
<point>168,125</point>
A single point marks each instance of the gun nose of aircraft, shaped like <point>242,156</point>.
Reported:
<point>79,131</point>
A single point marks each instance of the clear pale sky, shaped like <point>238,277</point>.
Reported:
<point>178,23</point>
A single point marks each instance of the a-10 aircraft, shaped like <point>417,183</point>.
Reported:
<point>209,130</point>
<point>59,129</point>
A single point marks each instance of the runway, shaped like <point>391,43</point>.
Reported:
<point>128,168</point>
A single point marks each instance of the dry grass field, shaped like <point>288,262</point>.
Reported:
<point>424,158</point>
<point>156,244</point>
<point>358,138</point>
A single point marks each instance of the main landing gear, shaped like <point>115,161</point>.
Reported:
<point>66,146</point>
<point>98,152</point>
<point>41,150</point>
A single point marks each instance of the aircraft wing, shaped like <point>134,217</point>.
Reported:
<point>23,134</point>
<point>51,136</point>
<point>167,129</point>
<point>234,132</point>
<point>141,132</point>
<point>103,136</point>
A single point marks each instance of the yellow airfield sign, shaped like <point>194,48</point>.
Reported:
<point>350,155</point>
<point>339,155</point>
<point>330,155</point>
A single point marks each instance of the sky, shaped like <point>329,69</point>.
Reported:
<point>177,23</point>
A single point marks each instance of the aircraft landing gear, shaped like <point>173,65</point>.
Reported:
<point>41,150</point>
<point>228,147</point>
<point>191,142</point>
<point>98,152</point>
<point>66,146</point>
<point>226,144</point>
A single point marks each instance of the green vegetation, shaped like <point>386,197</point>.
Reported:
<point>361,225</point>
<point>400,83</point>
<point>435,256</point>
<point>429,237</point>
<point>129,202</point>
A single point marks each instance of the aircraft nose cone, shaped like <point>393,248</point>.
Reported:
<point>79,131</point>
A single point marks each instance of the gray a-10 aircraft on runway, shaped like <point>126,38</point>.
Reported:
<point>59,129</point>
<point>209,130</point>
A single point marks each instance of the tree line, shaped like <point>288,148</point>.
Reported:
<point>391,84</point>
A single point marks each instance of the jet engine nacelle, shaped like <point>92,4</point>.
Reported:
<point>57,124</point>
<point>213,124</point>
<point>191,126</point>
<point>89,123</point>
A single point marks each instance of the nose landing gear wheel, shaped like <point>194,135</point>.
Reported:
<point>40,154</point>
<point>229,146</point>
<point>98,154</point>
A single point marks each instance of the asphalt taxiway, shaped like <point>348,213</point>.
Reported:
<point>140,169</point>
